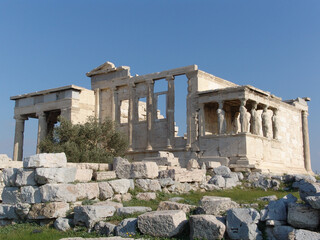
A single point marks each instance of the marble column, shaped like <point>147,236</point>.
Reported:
<point>150,112</point>
<point>114,103</point>
<point>97,103</point>
<point>170,113</point>
<point>221,119</point>
<point>306,144</point>
<point>18,138</point>
<point>42,128</point>
<point>202,124</point>
<point>132,93</point>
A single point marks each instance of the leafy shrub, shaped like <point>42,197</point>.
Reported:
<point>89,142</point>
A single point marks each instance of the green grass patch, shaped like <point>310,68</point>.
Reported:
<point>32,231</point>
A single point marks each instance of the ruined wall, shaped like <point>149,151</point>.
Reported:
<point>286,152</point>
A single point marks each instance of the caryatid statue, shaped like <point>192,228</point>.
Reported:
<point>244,117</point>
<point>255,120</point>
<point>275,126</point>
<point>236,126</point>
<point>266,123</point>
<point>221,119</point>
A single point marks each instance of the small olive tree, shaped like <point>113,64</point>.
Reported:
<point>89,142</point>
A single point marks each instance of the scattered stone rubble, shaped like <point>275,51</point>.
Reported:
<point>47,189</point>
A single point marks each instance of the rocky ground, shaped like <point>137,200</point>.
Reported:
<point>48,191</point>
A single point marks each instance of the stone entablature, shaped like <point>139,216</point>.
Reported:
<point>240,126</point>
<point>71,102</point>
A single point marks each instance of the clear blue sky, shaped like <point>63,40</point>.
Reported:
<point>272,45</point>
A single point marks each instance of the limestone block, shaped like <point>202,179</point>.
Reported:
<point>169,173</point>
<point>289,199</point>
<point>211,164</point>
<point>314,201</point>
<point>105,167</point>
<point>48,210</point>
<point>55,175</point>
<point>105,190</point>
<point>301,234</point>
<point>104,228</point>
<point>58,193</point>
<point>276,210</point>
<point>240,176</point>
<point>146,196</point>
<point>117,161</point>
<point>163,159</point>
<point>193,164</point>
<point>8,211</point>
<point>87,190</point>
<point>83,175</point>
<point>91,214</point>
<point>196,175</point>
<point>162,223</point>
<point>125,211</point>
<point>6,162</point>
<point>4,158</point>
<point>309,189</point>
<point>25,177</point>
<point>206,227</point>
<point>31,194</point>
<point>126,227</point>
<point>180,187</point>
<point>166,182</point>
<point>282,232</point>
<point>218,180</point>
<point>11,195</point>
<point>303,216</point>
<point>148,185</point>
<point>223,171</point>
<point>9,176</point>
<point>122,167</point>
<point>126,197</point>
<point>242,224</point>
<point>22,210</point>
<point>168,205</point>
<point>101,176</point>
<point>144,170</point>
<point>307,178</point>
<point>120,185</point>
<point>216,205</point>
<point>46,160</point>
<point>62,224</point>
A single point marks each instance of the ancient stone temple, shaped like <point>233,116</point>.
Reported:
<point>239,126</point>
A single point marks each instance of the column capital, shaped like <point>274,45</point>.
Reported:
<point>41,114</point>
<point>150,81</point>
<point>114,88</point>
<point>305,113</point>
<point>220,103</point>
<point>243,101</point>
<point>169,78</point>
<point>20,118</point>
<point>132,84</point>
<point>254,105</point>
